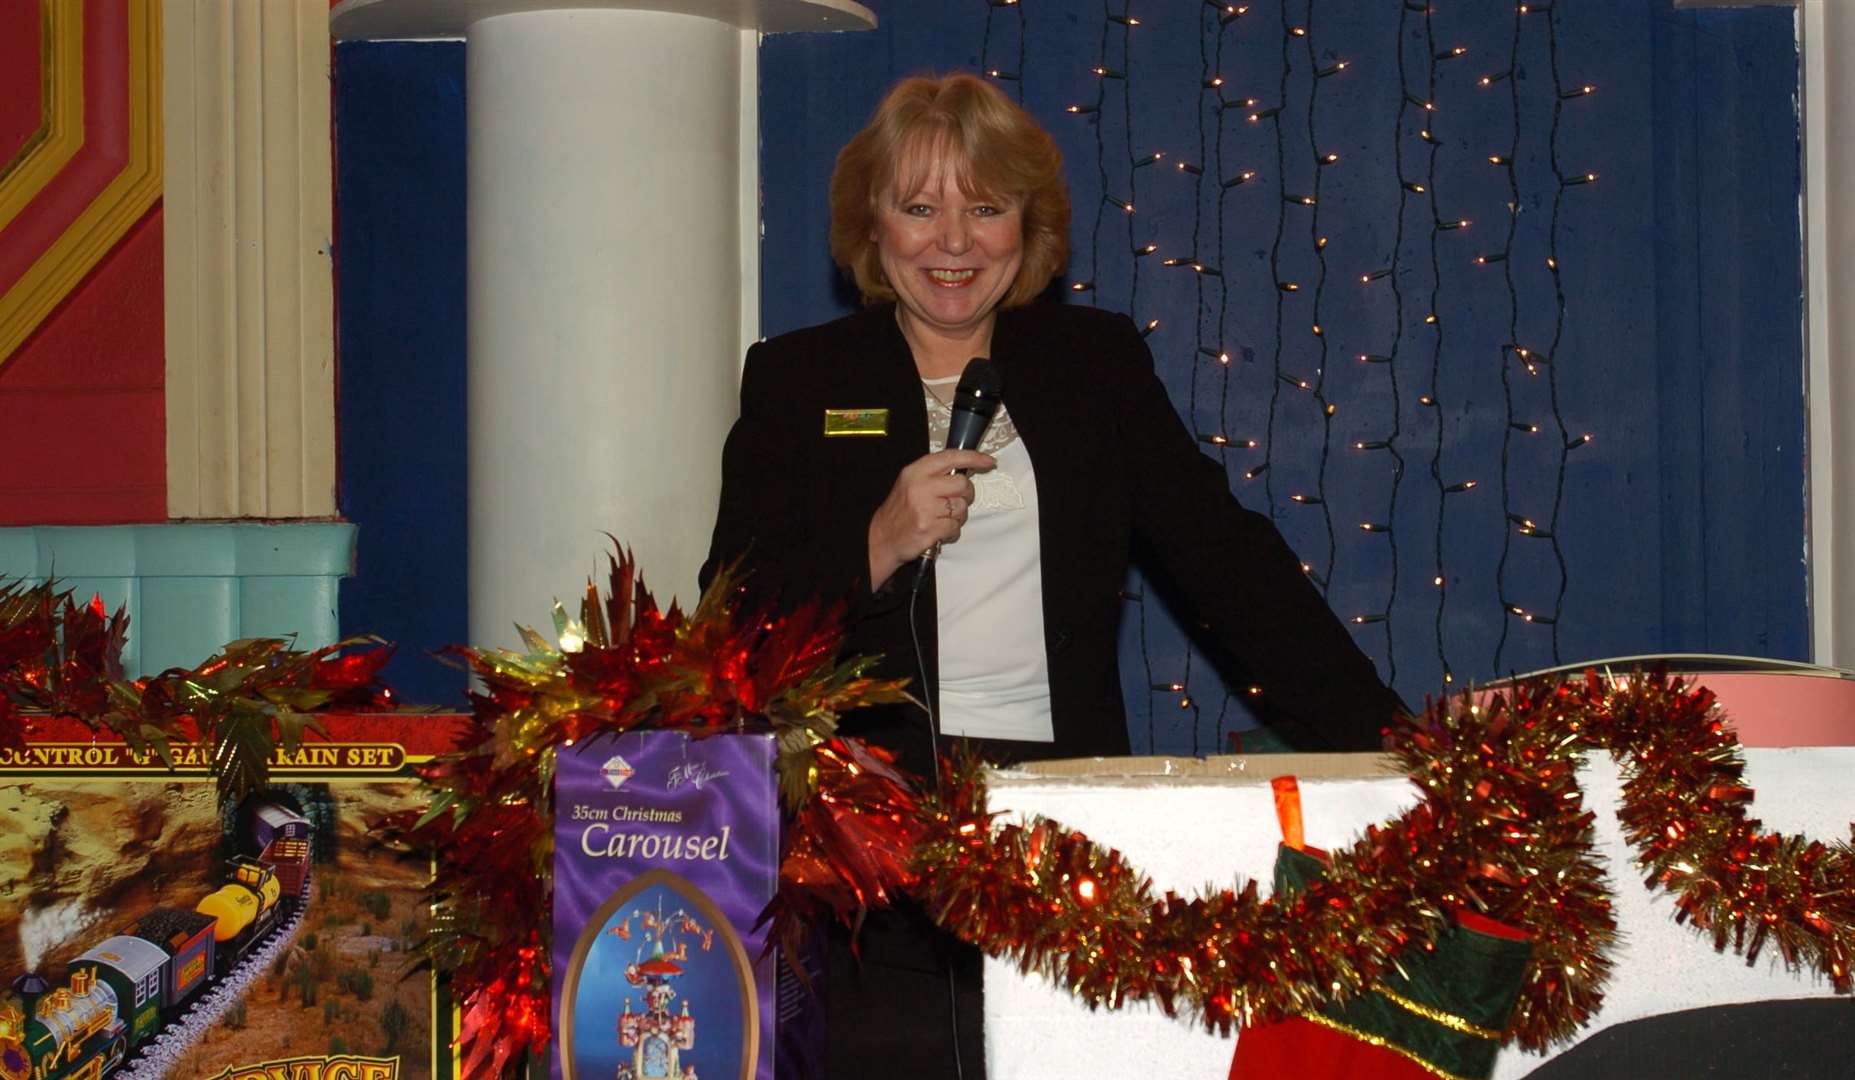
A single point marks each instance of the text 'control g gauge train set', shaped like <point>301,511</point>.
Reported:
<point>133,1002</point>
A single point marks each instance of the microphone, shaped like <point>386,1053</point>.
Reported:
<point>975,403</point>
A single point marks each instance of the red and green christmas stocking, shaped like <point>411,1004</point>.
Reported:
<point>1442,1017</point>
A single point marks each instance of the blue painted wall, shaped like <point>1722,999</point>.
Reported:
<point>400,294</point>
<point>1680,527</point>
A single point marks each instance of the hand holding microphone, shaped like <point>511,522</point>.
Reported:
<point>928,503</point>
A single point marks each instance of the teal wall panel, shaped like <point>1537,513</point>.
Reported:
<point>190,588</point>
<point>183,620</point>
<point>278,605</point>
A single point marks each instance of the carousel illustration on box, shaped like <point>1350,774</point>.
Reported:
<point>656,1035</point>
<point>660,990</point>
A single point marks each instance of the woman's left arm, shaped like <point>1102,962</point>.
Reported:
<point>1244,582</point>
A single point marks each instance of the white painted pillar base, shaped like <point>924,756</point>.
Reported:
<point>609,176</point>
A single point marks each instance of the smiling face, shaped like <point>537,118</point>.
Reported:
<point>950,254</point>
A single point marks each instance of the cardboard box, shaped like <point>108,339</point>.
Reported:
<point>666,850</point>
<point>146,931</point>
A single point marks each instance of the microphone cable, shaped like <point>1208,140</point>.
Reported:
<point>928,696</point>
<point>975,401</point>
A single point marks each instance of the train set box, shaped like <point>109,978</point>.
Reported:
<point>666,851</point>
<point>148,931</point>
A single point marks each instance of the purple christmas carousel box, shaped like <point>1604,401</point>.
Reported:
<point>666,849</point>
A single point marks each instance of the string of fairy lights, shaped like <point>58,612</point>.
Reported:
<point>1326,408</point>
<point>1425,108</point>
<point>1119,195</point>
<point>1387,358</point>
<point>1505,161</point>
<point>1393,409</point>
<point>1013,75</point>
<point>1215,20</point>
<point>1533,360</point>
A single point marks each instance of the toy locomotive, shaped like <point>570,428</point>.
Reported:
<point>124,990</point>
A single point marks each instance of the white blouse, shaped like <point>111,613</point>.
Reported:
<point>994,673</point>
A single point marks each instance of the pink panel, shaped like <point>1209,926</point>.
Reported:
<point>1779,708</point>
<point>1786,710</point>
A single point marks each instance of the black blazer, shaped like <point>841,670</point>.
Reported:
<point>1116,472</point>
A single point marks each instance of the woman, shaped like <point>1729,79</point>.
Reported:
<point>950,211</point>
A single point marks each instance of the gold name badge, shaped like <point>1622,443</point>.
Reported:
<point>841,423</point>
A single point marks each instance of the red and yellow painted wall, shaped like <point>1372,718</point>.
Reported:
<point>82,417</point>
<point>167,412</point>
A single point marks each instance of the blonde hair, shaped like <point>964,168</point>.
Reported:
<point>995,149</point>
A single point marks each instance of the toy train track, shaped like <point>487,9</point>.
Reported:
<point>170,1045</point>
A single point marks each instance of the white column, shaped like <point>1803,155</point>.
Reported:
<point>604,299</point>
<point>606,278</point>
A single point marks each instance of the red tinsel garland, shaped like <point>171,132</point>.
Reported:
<point>1501,828</point>
<point>630,666</point>
<point>1684,811</point>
